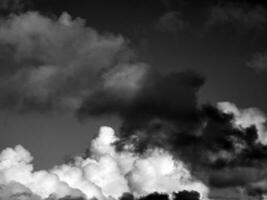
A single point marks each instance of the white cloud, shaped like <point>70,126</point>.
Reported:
<point>106,174</point>
<point>244,118</point>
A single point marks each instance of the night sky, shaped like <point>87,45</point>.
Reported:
<point>68,67</point>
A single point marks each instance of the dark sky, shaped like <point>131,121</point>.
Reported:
<point>224,41</point>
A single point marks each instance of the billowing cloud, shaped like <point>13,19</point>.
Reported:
<point>245,118</point>
<point>162,111</point>
<point>52,63</point>
<point>14,190</point>
<point>106,174</point>
<point>61,63</point>
<point>150,101</point>
<point>221,143</point>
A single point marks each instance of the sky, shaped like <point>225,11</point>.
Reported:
<point>178,75</point>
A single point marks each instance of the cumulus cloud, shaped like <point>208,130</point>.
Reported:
<point>246,168</point>
<point>106,174</point>
<point>60,63</point>
<point>16,191</point>
<point>220,139</point>
<point>258,61</point>
<point>245,118</point>
<point>225,144</point>
<point>52,63</point>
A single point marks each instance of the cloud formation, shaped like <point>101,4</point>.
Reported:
<point>61,63</point>
<point>220,144</point>
<point>258,61</point>
<point>52,63</point>
<point>245,118</point>
<point>107,174</point>
<point>11,6</point>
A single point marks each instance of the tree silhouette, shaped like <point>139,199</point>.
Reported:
<point>186,195</point>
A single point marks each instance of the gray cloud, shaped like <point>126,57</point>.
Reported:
<point>240,15</point>
<point>258,61</point>
<point>10,6</point>
<point>105,175</point>
<point>17,191</point>
<point>171,22</point>
<point>51,63</point>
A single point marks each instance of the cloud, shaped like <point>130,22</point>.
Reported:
<point>246,167</point>
<point>258,61</point>
<point>52,63</point>
<point>60,63</point>
<point>11,6</point>
<point>233,177</point>
<point>240,15</point>
<point>257,188</point>
<point>15,166</point>
<point>162,111</point>
<point>106,174</point>
<point>14,190</point>
<point>245,118</point>
<point>171,22</point>
<point>149,101</point>
<point>220,144</point>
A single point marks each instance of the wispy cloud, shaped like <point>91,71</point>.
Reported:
<point>258,61</point>
<point>171,22</point>
<point>239,15</point>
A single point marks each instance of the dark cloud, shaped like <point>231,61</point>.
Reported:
<point>164,112</point>
<point>159,102</point>
<point>221,142</point>
<point>257,188</point>
<point>232,177</point>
